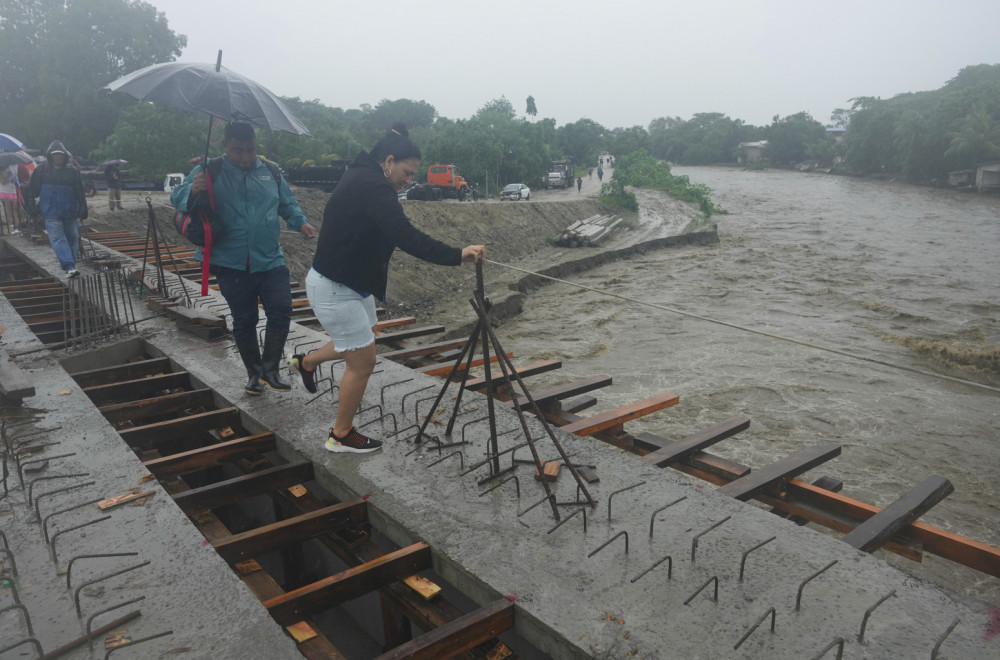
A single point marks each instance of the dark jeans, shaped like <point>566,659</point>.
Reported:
<point>242,289</point>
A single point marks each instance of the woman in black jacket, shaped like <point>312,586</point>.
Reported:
<point>363,224</point>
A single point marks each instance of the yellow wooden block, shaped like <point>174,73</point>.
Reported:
<point>423,586</point>
<point>301,631</point>
<point>298,490</point>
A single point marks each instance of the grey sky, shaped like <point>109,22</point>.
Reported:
<point>619,63</point>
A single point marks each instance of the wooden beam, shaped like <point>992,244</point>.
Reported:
<point>140,388</point>
<point>410,333</point>
<point>459,635</point>
<point>618,416</point>
<point>119,372</point>
<point>786,468</point>
<point>208,457</point>
<point>444,368</point>
<point>156,406</point>
<point>525,371</point>
<point>239,488</point>
<point>696,442</point>
<point>566,390</point>
<point>293,530</point>
<point>312,599</point>
<point>164,435</point>
<point>424,349</point>
<point>872,533</point>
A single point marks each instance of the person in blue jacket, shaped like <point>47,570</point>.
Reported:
<point>247,259</point>
<point>62,201</point>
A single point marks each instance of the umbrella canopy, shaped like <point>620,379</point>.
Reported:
<point>13,158</point>
<point>108,163</point>
<point>9,143</point>
<point>201,88</point>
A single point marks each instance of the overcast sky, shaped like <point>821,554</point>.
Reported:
<point>620,63</point>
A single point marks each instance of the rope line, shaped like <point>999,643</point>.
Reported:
<point>792,340</point>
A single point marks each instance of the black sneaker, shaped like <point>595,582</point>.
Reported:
<point>308,377</point>
<point>72,272</point>
<point>354,443</point>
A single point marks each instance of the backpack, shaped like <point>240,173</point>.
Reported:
<point>202,225</point>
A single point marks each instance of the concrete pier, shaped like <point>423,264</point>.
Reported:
<point>570,601</point>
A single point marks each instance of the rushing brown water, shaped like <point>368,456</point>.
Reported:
<point>900,274</point>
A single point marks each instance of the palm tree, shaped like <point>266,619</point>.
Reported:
<point>978,139</point>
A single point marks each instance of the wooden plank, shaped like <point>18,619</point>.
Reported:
<point>161,405</point>
<point>395,323</point>
<point>551,395</point>
<point>786,468</point>
<point>293,530</point>
<point>410,333</point>
<point>312,599</point>
<point>140,388</point>
<point>871,534</point>
<point>211,456</point>
<point>619,416</point>
<point>525,371</point>
<point>424,349</point>
<point>233,490</point>
<point>444,368</point>
<point>119,372</point>
<point>162,434</point>
<point>459,635</point>
<point>696,442</point>
<point>14,383</point>
<point>826,483</point>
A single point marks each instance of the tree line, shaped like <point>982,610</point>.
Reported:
<point>53,71</point>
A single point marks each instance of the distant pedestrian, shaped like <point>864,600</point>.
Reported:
<point>579,183</point>
<point>113,177</point>
<point>62,203</point>
<point>590,173</point>
<point>8,196</point>
<point>600,174</point>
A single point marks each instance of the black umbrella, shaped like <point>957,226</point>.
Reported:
<point>211,89</point>
<point>8,158</point>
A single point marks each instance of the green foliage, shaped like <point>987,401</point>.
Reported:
<point>57,55</point>
<point>925,135</point>
<point>640,170</point>
<point>155,140</point>
<point>708,137</point>
<point>613,193</point>
<point>796,139</point>
<point>293,162</point>
<point>530,108</point>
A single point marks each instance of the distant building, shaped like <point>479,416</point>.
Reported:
<point>961,178</point>
<point>988,176</point>
<point>750,151</point>
<point>837,132</point>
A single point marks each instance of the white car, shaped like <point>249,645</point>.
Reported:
<point>516,191</point>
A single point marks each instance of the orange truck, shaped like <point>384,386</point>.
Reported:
<point>443,182</point>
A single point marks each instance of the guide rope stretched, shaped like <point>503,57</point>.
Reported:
<point>800,342</point>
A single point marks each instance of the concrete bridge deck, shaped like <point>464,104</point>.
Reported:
<point>568,604</point>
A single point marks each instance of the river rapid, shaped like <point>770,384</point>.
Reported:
<point>899,274</point>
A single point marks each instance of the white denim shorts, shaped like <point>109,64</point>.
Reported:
<point>348,318</point>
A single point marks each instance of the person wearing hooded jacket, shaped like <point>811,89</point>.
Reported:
<point>62,201</point>
<point>247,259</point>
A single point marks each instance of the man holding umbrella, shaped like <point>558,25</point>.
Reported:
<point>61,201</point>
<point>247,259</point>
<point>113,177</point>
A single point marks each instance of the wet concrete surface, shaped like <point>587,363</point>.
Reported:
<point>569,605</point>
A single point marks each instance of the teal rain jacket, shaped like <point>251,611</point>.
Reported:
<point>248,203</point>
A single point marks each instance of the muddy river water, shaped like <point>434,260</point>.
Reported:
<point>899,274</point>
